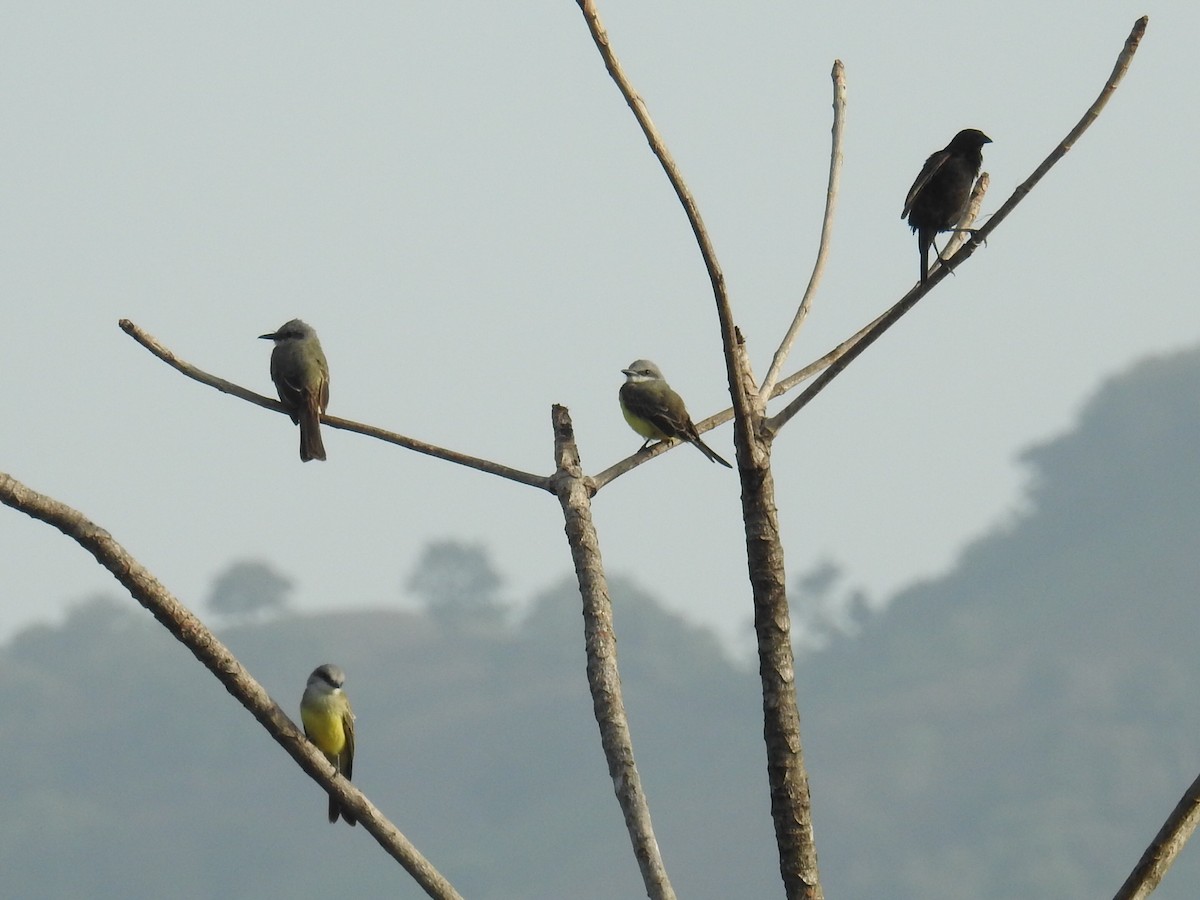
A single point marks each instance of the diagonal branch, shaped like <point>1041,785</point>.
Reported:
<point>962,228</point>
<point>831,194</point>
<point>658,146</point>
<point>909,300</point>
<point>1124,59</point>
<point>191,632</point>
<point>1164,848</point>
<point>228,387</point>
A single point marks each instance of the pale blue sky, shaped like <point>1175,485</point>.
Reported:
<point>456,197</point>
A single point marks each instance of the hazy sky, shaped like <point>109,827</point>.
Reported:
<point>456,197</point>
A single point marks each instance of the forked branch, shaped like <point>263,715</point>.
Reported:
<point>909,300</point>
<point>831,194</point>
<point>787,778</point>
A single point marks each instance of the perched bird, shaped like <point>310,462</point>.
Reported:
<point>655,411</point>
<point>939,196</point>
<point>329,724</point>
<point>301,377</point>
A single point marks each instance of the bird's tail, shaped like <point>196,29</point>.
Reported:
<point>311,446</point>
<point>709,452</point>
<point>926,240</point>
<point>336,809</point>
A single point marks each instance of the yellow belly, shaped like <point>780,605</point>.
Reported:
<point>324,729</point>
<point>642,426</point>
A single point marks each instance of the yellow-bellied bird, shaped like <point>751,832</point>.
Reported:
<point>655,411</point>
<point>329,724</point>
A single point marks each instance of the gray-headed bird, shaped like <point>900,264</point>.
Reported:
<point>329,724</point>
<point>939,196</point>
<point>655,411</point>
<point>301,377</point>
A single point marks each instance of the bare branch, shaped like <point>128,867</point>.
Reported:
<point>1124,59</point>
<point>191,632</point>
<point>962,232</point>
<point>600,641</point>
<point>790,806</point>
<point>720,418</point>
<point>1166,845</point>
<point>634,460</point>
<point>821,363</point>
<point>831,193</point>
<point>228,387</point>
<point>659,148</point>
<point>920,290</point>
<point>1164,848</point>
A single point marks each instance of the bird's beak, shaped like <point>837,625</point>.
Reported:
<point>627,371</point>
<point>266,337</point>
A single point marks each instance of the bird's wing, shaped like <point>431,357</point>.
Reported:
<point>323,398</point>
<point>665,411</point>
<point>291,393</point>
<point>348,751</point>
<point>935,162</point>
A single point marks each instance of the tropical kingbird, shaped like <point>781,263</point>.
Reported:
<point>655,411</point>
<point>329,724</point>
<point>301,378</point>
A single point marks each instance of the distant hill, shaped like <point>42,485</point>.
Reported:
<point>132,774</point>
<point>1021,727</point>
<point>1017,728</point>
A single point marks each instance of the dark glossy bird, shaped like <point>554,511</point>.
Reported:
<point>939,196</point>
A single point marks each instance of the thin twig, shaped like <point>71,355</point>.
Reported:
<point>600,642</point>
<point>920,290</point>
<point>192,633</point>
<point>831,194</point>
<point>228,387</point>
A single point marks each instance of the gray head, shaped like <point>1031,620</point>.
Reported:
<point>295,330</point>
<point>641,371</point>
<point>327,678</point>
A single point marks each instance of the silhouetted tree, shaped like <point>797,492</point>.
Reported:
<point>458,584</point>
<point>249,589</point>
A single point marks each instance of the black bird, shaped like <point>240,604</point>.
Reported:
<point>939,196</point>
